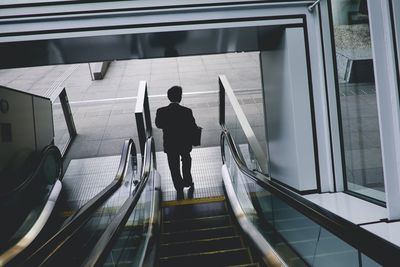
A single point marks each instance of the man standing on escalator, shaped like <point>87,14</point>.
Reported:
<point>178,124</point>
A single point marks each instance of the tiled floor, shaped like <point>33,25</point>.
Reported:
<point>206,173</point>
<point>85,178</point>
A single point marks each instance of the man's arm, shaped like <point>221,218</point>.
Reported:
<point>192,121</point>
<point>159,120</point>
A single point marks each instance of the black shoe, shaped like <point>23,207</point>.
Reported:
<point>188,184</point>
<point>191,190</point>
<point>179,195</point>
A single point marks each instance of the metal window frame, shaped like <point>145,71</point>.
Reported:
<point>69,119</point>
<point>385,29</point>
<point>387,92</point>
<point>332,94</point>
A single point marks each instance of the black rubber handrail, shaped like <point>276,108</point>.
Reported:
<point>43,155</point>
<point>81,216</point>
<point>104,245</point>
<point>373,246</point>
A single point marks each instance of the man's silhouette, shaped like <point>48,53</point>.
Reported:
<point>178,124</point>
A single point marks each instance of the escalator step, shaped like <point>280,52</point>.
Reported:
<point>199,246</point>
<point>209,259</point>
<point>197,223</point>
<point>246,265</point>
<point>197,234</point>
<point>174,213</point>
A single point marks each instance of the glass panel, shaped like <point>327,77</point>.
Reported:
<point>359,114</point>
<point>246,81</point>
<point>296,238</point>
<point>130,246</point>
<point>255,119</point>
<point>237,133</point>
<point>368,262</point>
<point>30,205</point>
<point>77,251</point>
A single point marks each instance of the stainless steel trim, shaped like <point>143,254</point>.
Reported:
<point>269,255</point>
<point>140,96</point>
<point>25,241</point>
<point>244,123</point>
<point>142,115</point>
<point>311,7</point>
<point>124,5</point>
<point>154,216</point>
<point>56,88</point>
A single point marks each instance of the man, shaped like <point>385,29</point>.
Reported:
<point>178,124</point>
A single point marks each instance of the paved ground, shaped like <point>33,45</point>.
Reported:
<point>104,110</point>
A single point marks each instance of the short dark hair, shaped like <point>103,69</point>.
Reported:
<point>175,93</point>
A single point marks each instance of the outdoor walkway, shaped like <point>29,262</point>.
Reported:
<point>104,110</point>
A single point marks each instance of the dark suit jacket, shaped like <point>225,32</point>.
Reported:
<point>178,124</point>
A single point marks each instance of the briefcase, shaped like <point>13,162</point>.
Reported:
<point>196,141</point>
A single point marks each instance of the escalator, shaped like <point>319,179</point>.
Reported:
<point>34,189</point>
<point>84,225</point>
<point>257,222</point>
<point>260,223</point>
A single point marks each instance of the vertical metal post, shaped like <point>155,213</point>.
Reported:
<point>141,131</point>
<point>91,73</point>
<point>147,115</point>
<point>142,114</point>
<point>69,119</point>
<point>221,102</point>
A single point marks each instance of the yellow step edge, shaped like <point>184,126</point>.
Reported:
<point>197,219</point>
<point>198,241</point>
<point>192,201</point>
<point>198,230</point>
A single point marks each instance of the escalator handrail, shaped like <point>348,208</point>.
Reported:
<point>43,156</point>
<point>373,246</point>
<point>76,221</point>
<point>10,253</point>
<point>101,250</point>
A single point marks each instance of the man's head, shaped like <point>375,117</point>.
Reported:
<point>175,94</point>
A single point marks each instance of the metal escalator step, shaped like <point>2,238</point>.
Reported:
<point>197,234</point>
<point>199,246</point>
<point>175,213</point>
<point>209,259</point>
<point>196,223</point>
<point>246,265</point>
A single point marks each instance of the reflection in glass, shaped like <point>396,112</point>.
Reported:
<point>359,114</point>
<point>297,239</point>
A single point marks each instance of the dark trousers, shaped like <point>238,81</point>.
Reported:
<point>175,168</point>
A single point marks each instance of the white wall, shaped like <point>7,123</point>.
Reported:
<point>20,116</point>
<point>31,123</point>
<point>288,112</point>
